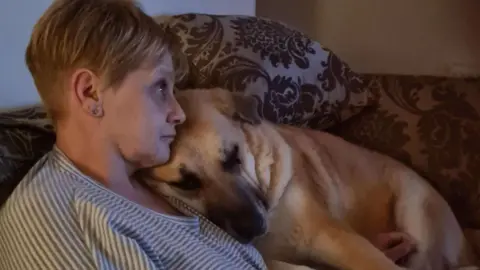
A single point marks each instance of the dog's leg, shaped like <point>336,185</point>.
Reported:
<point>345,249</point>
<point>421,212</point>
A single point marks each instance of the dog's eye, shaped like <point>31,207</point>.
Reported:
<point>189,182</point>
<point>232,159</point>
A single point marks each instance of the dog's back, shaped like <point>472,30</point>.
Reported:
<point>373,193</point>
<point>350,180</point>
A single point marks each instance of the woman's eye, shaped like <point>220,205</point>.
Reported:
<point>161,87</point>
<point>162,84</point>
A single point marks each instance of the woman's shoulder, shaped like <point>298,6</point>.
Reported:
<point>46,192</point>
<point>38,220</point>
<point>45,184</point>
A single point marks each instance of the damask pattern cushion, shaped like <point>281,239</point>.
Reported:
<point>25,135</point>
<point>433,125</point>
<point>295,80</point>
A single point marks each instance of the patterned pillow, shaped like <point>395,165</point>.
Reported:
<point>296,80</point>
<point>25,135</point>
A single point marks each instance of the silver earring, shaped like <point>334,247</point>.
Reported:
<point>96,111</point>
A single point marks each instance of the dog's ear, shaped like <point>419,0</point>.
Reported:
<point>246,109</point>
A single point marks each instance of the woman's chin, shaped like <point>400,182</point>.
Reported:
<point>146,160</point>
<point>162,155</point>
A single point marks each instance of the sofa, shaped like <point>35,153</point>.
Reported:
<point>429,123</point>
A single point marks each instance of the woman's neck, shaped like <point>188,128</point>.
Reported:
<point>99,159</point>
<point>93,155</point>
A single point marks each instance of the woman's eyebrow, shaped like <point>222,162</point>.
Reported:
<point>164,70</point>
<point>162,78</point>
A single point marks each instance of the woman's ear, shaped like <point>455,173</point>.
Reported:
<point>87,91</point>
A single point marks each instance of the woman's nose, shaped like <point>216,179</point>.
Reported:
<point>176,115</point>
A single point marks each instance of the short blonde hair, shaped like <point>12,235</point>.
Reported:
<point>109,37</point>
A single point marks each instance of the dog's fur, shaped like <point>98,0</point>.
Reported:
<point>307,197</point>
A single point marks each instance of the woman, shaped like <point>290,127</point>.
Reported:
<point>105,75</point>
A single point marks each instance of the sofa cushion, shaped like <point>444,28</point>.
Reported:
<point>433,125</point>
<point>296,80</point>
<point>25,135</point>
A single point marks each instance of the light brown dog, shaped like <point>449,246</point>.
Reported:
<point>305,196</point>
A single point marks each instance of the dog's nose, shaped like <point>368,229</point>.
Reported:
<point>249,227</point>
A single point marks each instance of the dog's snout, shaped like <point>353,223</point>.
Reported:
<point>249,226</point>
<point>238,208</point>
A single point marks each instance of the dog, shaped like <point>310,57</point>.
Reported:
<point>302,196</point>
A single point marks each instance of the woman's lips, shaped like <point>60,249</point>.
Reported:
<point>167,138</point>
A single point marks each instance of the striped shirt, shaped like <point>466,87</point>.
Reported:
<point>58,218</point>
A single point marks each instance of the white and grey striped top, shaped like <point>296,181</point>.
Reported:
<point>58,218</point>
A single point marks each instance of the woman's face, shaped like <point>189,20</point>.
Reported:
<point>141,115</point>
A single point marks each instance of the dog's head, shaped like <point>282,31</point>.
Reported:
<point>211,167</point>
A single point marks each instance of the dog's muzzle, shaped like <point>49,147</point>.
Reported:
<point>247,226</point>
